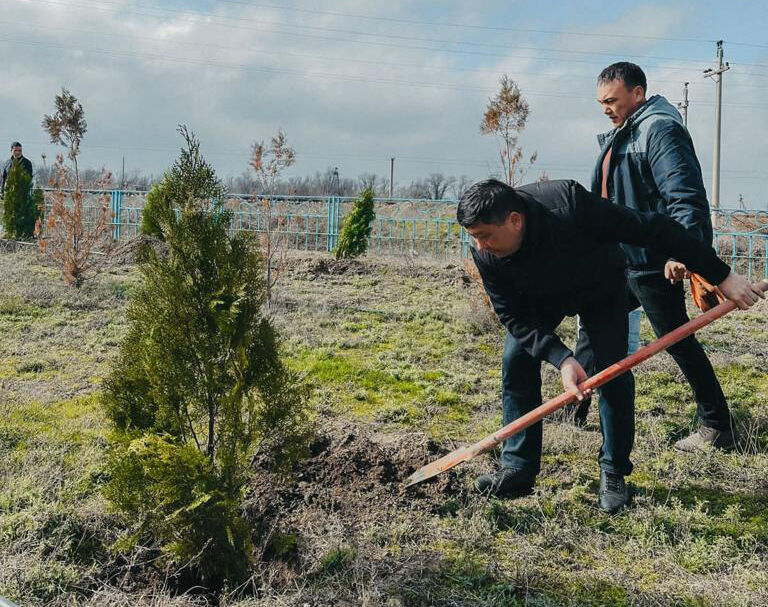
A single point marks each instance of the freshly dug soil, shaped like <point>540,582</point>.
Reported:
<point>352,465</point>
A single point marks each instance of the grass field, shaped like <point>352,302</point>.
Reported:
<point>404,364</point>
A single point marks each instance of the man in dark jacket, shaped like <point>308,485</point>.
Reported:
<point>647,163</point>
<point>17,157</point>
<point>550,250</point>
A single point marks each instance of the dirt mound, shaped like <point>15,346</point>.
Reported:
<point>358,462</point>
<point>316,266</point>
<point>328,265</point>
<point>347,471</point>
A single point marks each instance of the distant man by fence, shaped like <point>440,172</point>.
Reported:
<point>17,157</point>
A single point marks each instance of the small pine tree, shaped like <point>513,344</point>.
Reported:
<point>198,385</point>
<point>20,211</point>
<point>156,210</point>
<point>356,227</point>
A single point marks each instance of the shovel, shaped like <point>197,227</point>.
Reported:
<point>467,453</point>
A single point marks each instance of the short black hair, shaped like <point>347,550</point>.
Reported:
<point>489,201</point>
<point>631,74</point>
<point>15,144</point>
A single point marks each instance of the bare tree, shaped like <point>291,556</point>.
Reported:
<point>505,116</point>
<point>369,181</point>
<point>268,163</point>
<point>438,184</point>
<point>460,185</point>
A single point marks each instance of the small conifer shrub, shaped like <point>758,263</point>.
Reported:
<point>198,387</point>
<point>155,210</point>
<point>20,211</point>
<point>356,227</point>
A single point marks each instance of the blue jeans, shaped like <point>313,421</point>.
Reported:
<point>605,323</point>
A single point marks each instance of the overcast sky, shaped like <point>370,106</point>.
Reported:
<point>354,83</point>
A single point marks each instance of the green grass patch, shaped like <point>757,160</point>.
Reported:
<point>15,307</point>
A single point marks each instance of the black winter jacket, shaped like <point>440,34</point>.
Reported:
<point>654,168</point>
<point>570,259</point>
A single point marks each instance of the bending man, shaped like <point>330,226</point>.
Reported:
<point>550,250</point>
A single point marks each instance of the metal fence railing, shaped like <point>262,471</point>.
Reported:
<point>413,227</point>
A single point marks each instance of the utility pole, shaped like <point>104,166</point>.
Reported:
<point>683,105</point>
<point>717,75</point>
<point>391,177</point>
<point>335,185</point>
<point>122,178</point>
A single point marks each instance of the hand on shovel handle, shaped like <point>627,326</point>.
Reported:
<point>742,292</point>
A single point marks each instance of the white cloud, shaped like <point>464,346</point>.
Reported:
<point>239,73</point>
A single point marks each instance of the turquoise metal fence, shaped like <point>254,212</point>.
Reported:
<point>408,227</point>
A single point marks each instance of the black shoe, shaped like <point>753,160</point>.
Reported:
<point>614,493</point>
<point>506,482</point>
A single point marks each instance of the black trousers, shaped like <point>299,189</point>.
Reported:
<point>605,322</point>
<point>664,305</point>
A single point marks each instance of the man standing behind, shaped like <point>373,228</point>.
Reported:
<point>647,163</point>
<point>16,157</point>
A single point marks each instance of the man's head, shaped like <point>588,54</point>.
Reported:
<point>621,91</point>
<point>494,215</point>
<point>16,149</point>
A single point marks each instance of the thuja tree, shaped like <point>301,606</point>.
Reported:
<point>197,388</point>
<point>157,205</point>
<point>356,227</point>
<point>20,210</point>
<point>190,178</point>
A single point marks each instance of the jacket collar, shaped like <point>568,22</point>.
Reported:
<point>638,115</point>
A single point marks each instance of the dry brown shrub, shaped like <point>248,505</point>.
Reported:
<point>268,163</point>
<point>69,236</point>
<point>73,235</point>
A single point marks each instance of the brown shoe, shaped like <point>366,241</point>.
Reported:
<point>706,437</point>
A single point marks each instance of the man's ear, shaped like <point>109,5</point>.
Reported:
<point>515,220</point>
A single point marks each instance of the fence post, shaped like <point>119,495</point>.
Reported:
<point>334,211</point>
<point>116,206</point>
<point>464,238</point>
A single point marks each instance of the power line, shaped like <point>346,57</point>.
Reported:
<point>465,25</point>
<point>207,21</point>
<point>487,27</point>
<point>199,45</point>
<point>207,45</point>
<point>306,73</point>
<point>346,59</point>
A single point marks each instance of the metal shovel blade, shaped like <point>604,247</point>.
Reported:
<point>454,458</point>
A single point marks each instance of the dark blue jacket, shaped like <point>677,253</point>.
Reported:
<point>570,260</point>
<point>654,168</point>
